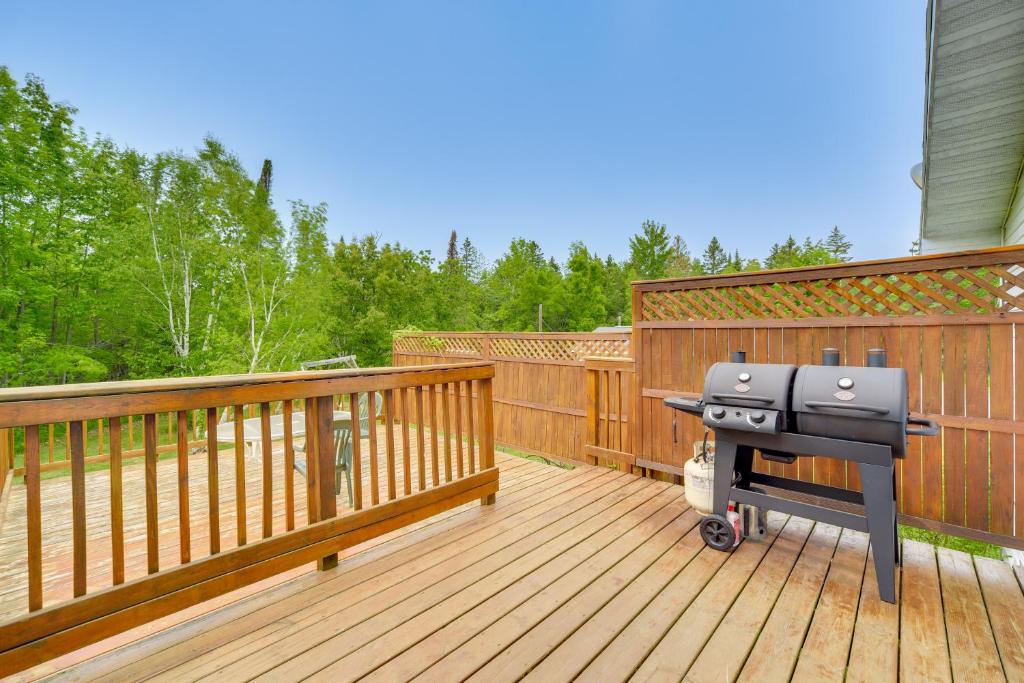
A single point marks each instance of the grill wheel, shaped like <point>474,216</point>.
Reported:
<point>718,532</point>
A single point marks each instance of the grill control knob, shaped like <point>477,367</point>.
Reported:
<point>757,417</point>
<point>718,413</point>
<point>845,383</point>
<point>744,377</point>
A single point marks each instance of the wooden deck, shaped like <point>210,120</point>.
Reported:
<point>588,574</point>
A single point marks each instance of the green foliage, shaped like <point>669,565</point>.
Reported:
<point>714,260</point>
<point>955,542</point>
<point>793,254</point>
<point>116,265</point>
<point>649,251</point>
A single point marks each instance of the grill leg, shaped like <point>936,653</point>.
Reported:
<point>880,506</point>
<point>725,461</point>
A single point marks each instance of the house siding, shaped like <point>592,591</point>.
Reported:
<point>1014,229</point>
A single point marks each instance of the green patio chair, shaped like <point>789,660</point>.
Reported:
<point>343,443</point>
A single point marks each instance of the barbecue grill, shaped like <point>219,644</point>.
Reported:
<point>858,414</point>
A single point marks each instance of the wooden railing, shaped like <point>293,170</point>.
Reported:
<point>954,321</point>
<point>206,558</point>
<point>611,410</point>
<point>6,465</point>
<point>540,405</point>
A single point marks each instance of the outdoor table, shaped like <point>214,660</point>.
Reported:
<point>252,428</point>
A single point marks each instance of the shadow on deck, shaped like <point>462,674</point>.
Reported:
<point>588,574</point>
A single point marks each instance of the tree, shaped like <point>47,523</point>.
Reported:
<point>473,264</point>
<point>837,245</point>
<point>649,251</point>
<point>522,280</point>
<point>584,300</point>
<point>453,247</point>
<point>680,264</point>
<point>715,258</point>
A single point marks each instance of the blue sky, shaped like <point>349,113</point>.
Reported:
<point>556,121</point>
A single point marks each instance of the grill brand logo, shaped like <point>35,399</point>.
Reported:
<point>845,395</point>
<point>742,388</point>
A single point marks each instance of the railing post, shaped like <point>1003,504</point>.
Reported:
<point>486,432</point>
<point>326,493</point>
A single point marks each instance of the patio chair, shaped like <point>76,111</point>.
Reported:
<point>343,442</point>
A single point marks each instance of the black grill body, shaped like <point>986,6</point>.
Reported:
<point>858,414</point>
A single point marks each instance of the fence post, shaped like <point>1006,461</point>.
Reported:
<point>485,401</point>
<point>593,406</point>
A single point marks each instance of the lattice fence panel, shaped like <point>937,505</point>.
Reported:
<point>562,349</point>
<point>976,290</point>
<point>440,345</point>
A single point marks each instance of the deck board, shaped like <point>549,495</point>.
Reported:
<point>585,574</point>
<point>972,648</point>
<point>826,647</point>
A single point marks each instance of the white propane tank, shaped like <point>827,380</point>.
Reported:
<point>699,477</point>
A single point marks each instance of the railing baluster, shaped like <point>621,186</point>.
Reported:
<point>78,507</point>
<point>389,440</point>
<point>312,460</point>
<point>289,466</point>
<point>131,432</point>
<point>152,530</point>
<point>446,418</point>
<point>240,523</point>
<point>471,454</point>
<point>67,441</point>
<point>457,398</point>
<point>99,436</point>
<point>356,430</point>
<point>33,519</point>
<point>435,476</point>
<point>371,400</point>
<point>116,503</point>
<point>50,430</point>
<point>184,528</point>
<point>421,459</point>
<point>403,397</point>
<point>213,479</point>
<point>484,404</point>
<point>268,471</point>
<point>170,428</point>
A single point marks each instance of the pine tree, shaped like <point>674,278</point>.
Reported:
<point>680,264</point>
<point>715,258</point>
<point>453,247</point>
<point>837,245</point>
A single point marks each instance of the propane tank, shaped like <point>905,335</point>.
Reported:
<point>699,477</point>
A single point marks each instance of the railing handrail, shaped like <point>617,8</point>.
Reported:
<point>976,257</point>
<point>141,386</point>
<point>72,402</point>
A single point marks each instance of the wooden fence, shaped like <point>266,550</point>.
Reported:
<point>953,321</point>
<point>391,490</point>
<point>540,398</point>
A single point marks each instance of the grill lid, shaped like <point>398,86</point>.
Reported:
<point>878,394</point>
<point>760,385</point>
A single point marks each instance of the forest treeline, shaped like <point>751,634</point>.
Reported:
<point>116,264</point>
